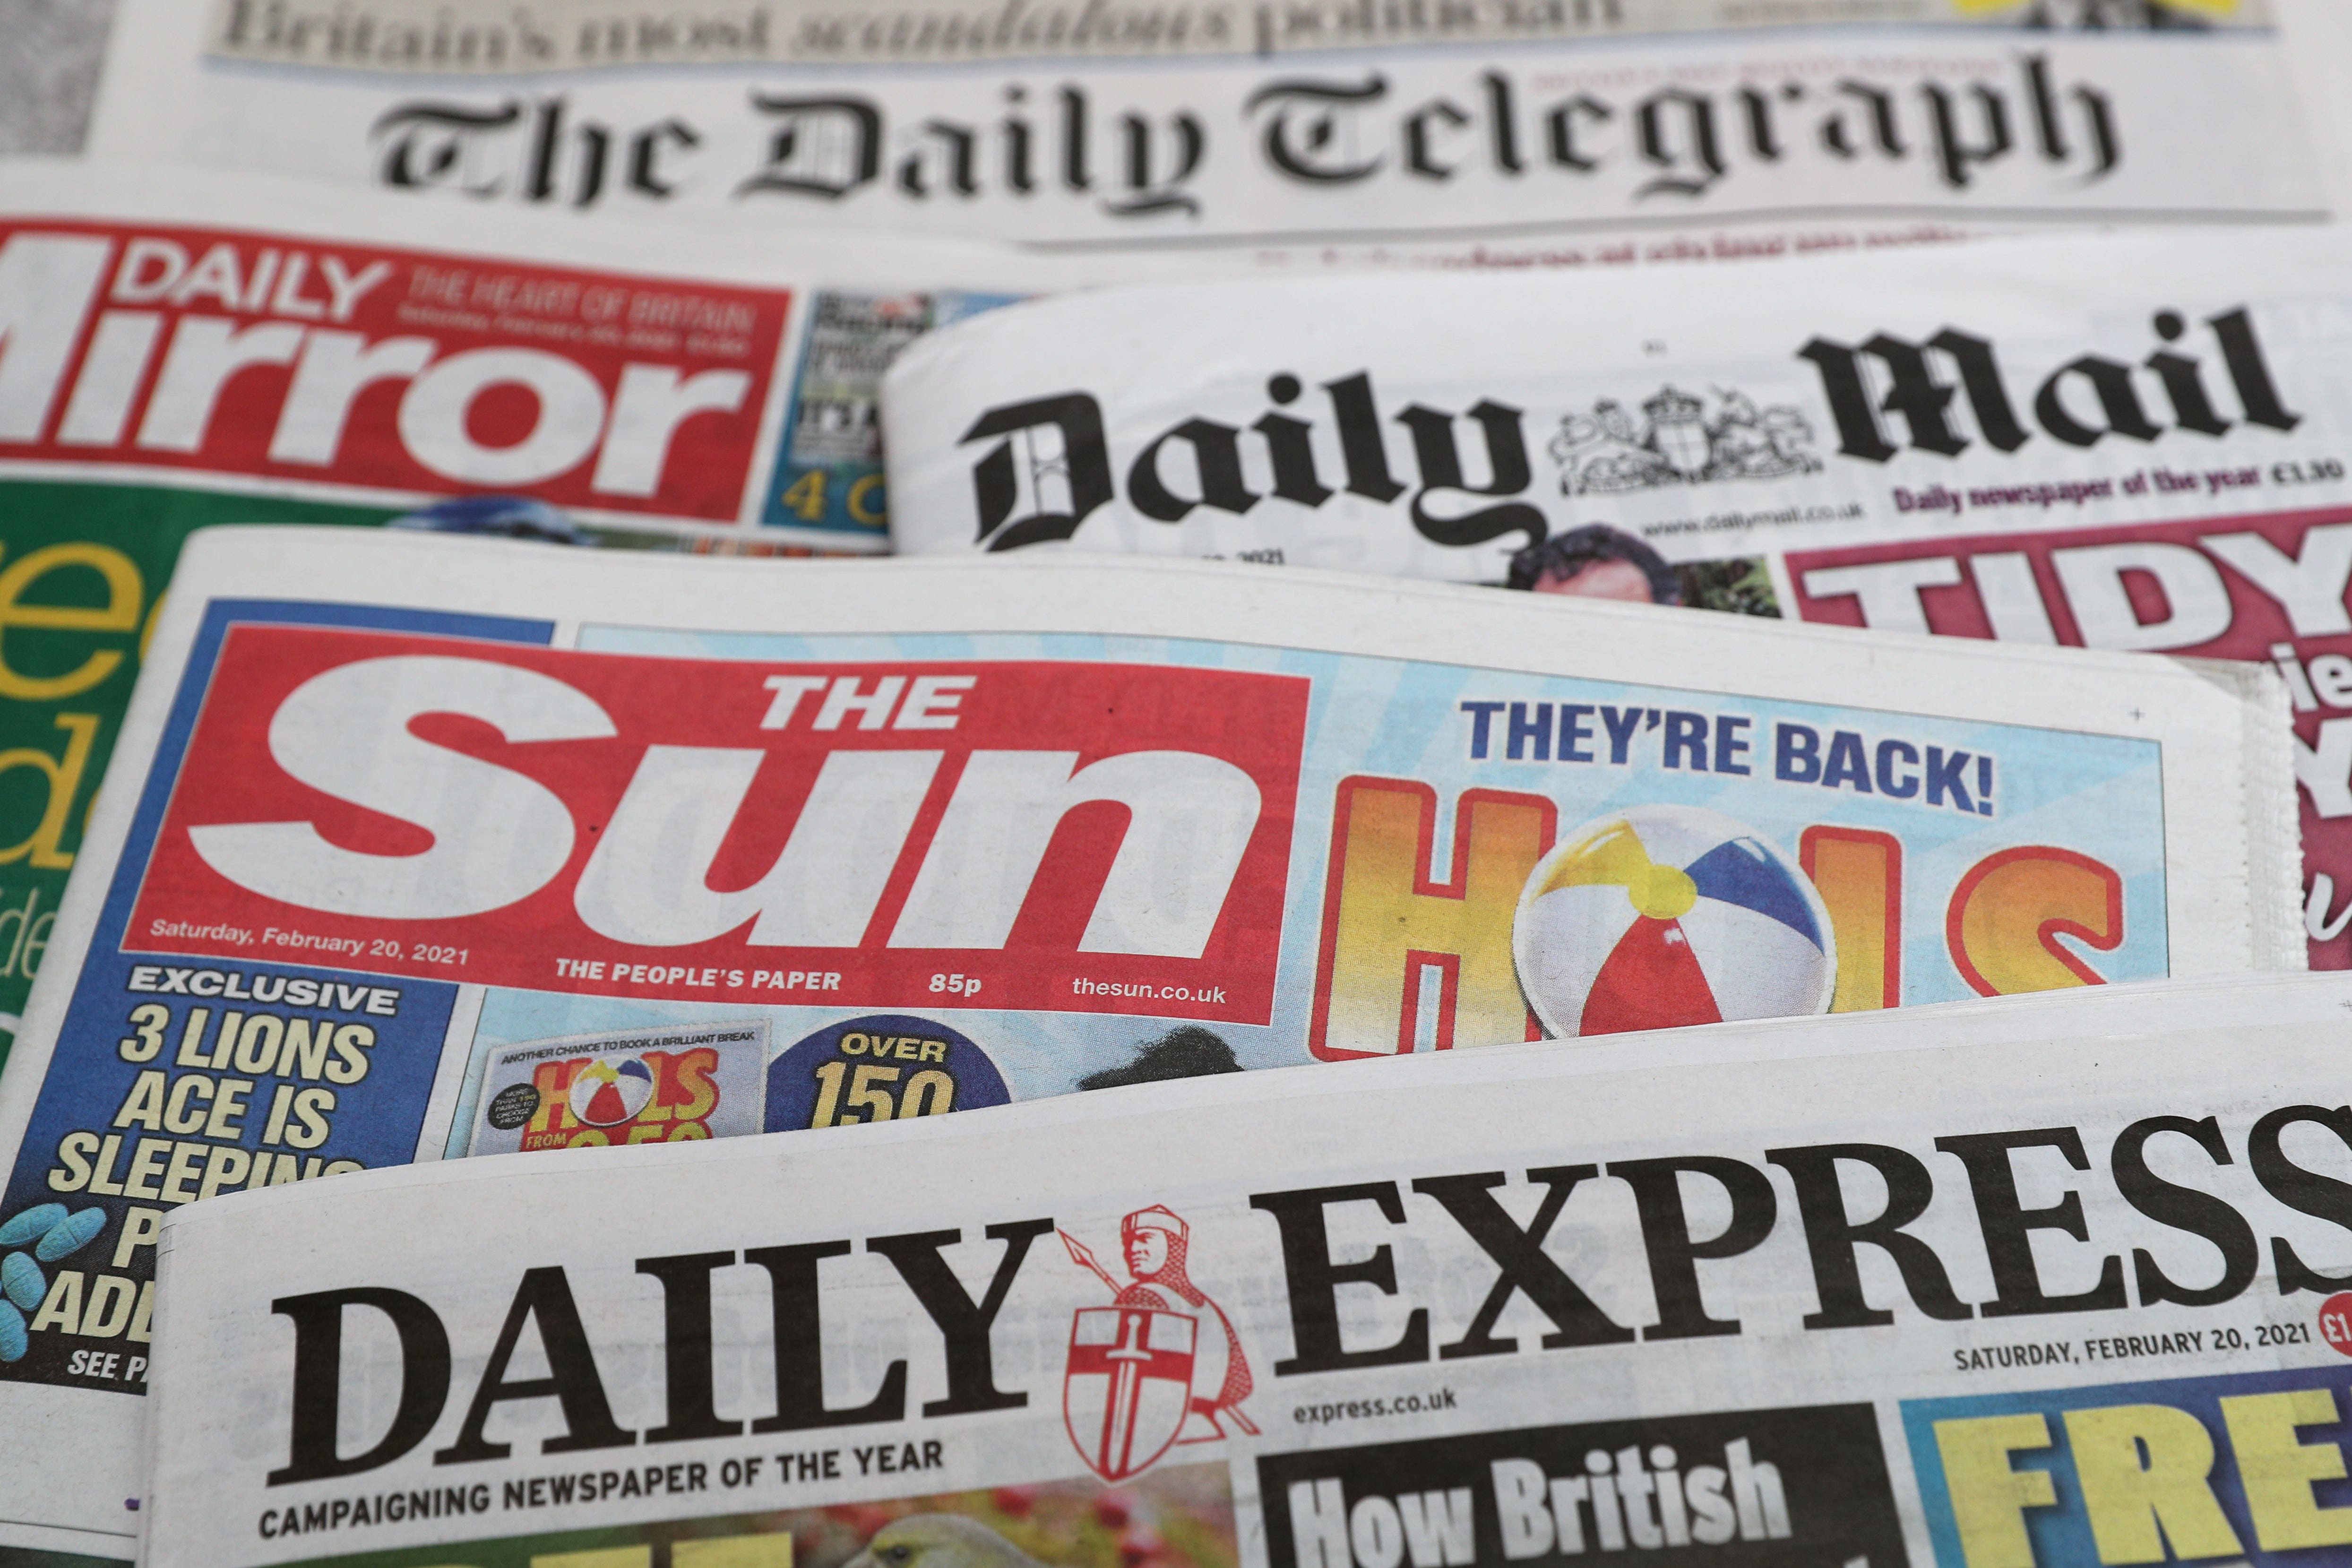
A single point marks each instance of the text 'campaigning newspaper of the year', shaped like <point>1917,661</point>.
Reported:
<point>2022,1286</point>
<point>421,849</point>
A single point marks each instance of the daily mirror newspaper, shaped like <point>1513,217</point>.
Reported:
<point>1572,132</point>
<point>2060,1288</point>
<point>180,349</point>
<point>2125,442</point>
<point>417,849</point>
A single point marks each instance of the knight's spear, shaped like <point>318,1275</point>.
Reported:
<point>1086,1259</point>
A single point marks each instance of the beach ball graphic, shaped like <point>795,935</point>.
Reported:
<point>1662,915</point>
<point>606,1094</point>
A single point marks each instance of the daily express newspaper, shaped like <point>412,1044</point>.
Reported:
<point>1569,132</point>
<point>180,349</point>
<point>1996,1298</point>
<point>2128,442</point>
<point>418,848</point>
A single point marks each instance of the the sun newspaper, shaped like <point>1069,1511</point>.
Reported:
<point>178,349</point>
<point>1582,134</point>
<point>2042,1282</point>
<point>420,848</point>
<point>2118,442</point>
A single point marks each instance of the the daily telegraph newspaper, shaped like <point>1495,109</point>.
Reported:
<point>180,349</point>
<point>2127,442</point>
<point>2062,1287</point>
<point>420,848</point>
<point>1569,132</point>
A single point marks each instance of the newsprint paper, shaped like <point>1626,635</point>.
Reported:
<point>421,847</point>
<point>2130,442</point>
<point>1593,133</point>
<point>179,349</point>
<point>2065,1287</point>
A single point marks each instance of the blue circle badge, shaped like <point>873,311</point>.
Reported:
<point>885,1066</point>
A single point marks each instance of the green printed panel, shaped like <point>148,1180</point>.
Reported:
<point>17,1557</point>
<point>82,567</point>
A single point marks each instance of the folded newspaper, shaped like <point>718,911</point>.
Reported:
<point>420,848</point>
<point>2029,1285</point>
<point>2127,443</point>
<point>1594,133</point>
<point>179,349</point>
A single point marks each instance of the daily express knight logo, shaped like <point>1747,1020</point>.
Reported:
<point>1368,1285</point>
<point>1046,464</point>
<point>259,354</point>
<point>835,832</point>
<point>1161,1367</point>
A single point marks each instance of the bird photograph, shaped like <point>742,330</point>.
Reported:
<point>940,1541</point>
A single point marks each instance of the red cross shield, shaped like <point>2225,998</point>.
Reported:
<point>1127,1385</point>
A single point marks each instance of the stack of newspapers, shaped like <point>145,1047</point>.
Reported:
<point>929,784</point>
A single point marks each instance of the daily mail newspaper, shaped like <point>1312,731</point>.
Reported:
<point>1571,133</point>
<point>180,349</point>
<point>419,848</point>
<point>2059,1288</point>
<point>2117,442</point>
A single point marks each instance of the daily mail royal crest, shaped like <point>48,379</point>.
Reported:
<point>1161,1365</point>
<point>1608,451</point>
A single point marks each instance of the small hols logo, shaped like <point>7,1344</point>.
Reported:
<point>1161,1365</point>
